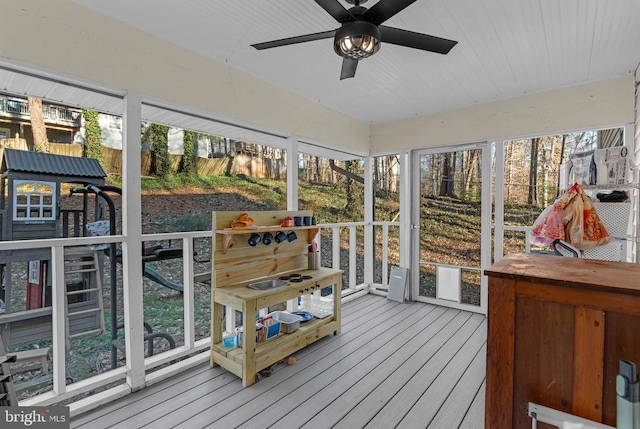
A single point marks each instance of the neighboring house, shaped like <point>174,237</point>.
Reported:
<point>111,136</point>
<point>67,126</point>
<point>62,123</point>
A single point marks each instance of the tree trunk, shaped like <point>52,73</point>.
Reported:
<point>533,173</point>
<point>507,170</point>
<point>448,175</point>
<point>92,136</point>
<point>38,129</point>
<point>564,140</point>
<point>350,191</point>
<point>189,155</point>
<point>435,173</point>
<point>376,171</point>
<point>451,191</point>
<point>157,135</point>
<point>392,161</point>
<point>473,160</point>
<point>444,176</point>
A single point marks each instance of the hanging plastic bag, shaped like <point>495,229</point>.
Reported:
<point>585,230</point>
<point>551,223</point>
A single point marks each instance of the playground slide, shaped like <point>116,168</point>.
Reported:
<point>152,274</point>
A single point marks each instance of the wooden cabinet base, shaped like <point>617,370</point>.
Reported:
<point>557,329</point>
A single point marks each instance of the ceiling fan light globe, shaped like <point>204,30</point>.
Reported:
<point>346,44</point>
<point>357,40</point>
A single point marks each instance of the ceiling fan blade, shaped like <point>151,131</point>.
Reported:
<point>294,40</point>
<point>348,68</point>
<point>336,10</point>
<point>385,9</point>
<point>416,40</point>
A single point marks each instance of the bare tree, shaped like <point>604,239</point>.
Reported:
<point>508,151</point>
<point>533,173</point>
<point>39,130</point>
<point>564,141</point>
<point>435,168</point>
<point>392,182</point>
<point>447,179</point>
<point>470,169</point>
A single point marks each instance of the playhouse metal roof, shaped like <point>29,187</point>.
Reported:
<point>46,163</point>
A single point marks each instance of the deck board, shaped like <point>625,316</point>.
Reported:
<point>313,362</point>
<point>361,390</point>
<point>414,377</point>
<point>394,365</point>
<point>330,381</point>
<point>471,420</point>
<point>127,406</point>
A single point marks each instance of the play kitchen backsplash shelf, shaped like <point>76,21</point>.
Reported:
<point>231,236</point>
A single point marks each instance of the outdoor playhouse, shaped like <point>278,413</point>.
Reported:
<point>30,208</point>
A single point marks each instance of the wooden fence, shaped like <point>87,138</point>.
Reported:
<point>240,164</point>
<point>55,148</point>
<point>212,166</point>
<point>12,143</point>
<point>112,159</point>
<point>66,149</point>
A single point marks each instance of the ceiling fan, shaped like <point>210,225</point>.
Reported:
<point>361,33</point>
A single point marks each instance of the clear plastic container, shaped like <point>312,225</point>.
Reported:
<point>288,322</point>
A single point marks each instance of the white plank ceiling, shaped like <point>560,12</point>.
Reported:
<point>506,48</point>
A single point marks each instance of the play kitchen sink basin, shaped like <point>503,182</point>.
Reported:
<point>267,284</point>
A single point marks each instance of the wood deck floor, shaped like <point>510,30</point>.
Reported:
<point>410,365</point>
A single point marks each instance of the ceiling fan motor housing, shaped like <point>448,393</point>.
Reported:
<point>357,40</point>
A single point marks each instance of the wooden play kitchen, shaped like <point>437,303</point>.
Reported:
<point>267,251</point>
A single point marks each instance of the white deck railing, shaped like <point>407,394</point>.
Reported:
<point>193,351</point>
<point>522,229</point>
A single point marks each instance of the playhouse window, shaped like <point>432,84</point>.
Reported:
<point>34,200</point>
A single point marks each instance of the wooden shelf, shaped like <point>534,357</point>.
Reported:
<point>281,346</point>
<point>258,229</point>
<point>228,233</point>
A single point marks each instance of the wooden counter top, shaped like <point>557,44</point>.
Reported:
<point>245,293</point>
<point>249,357</point>
<point>590,274</point>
